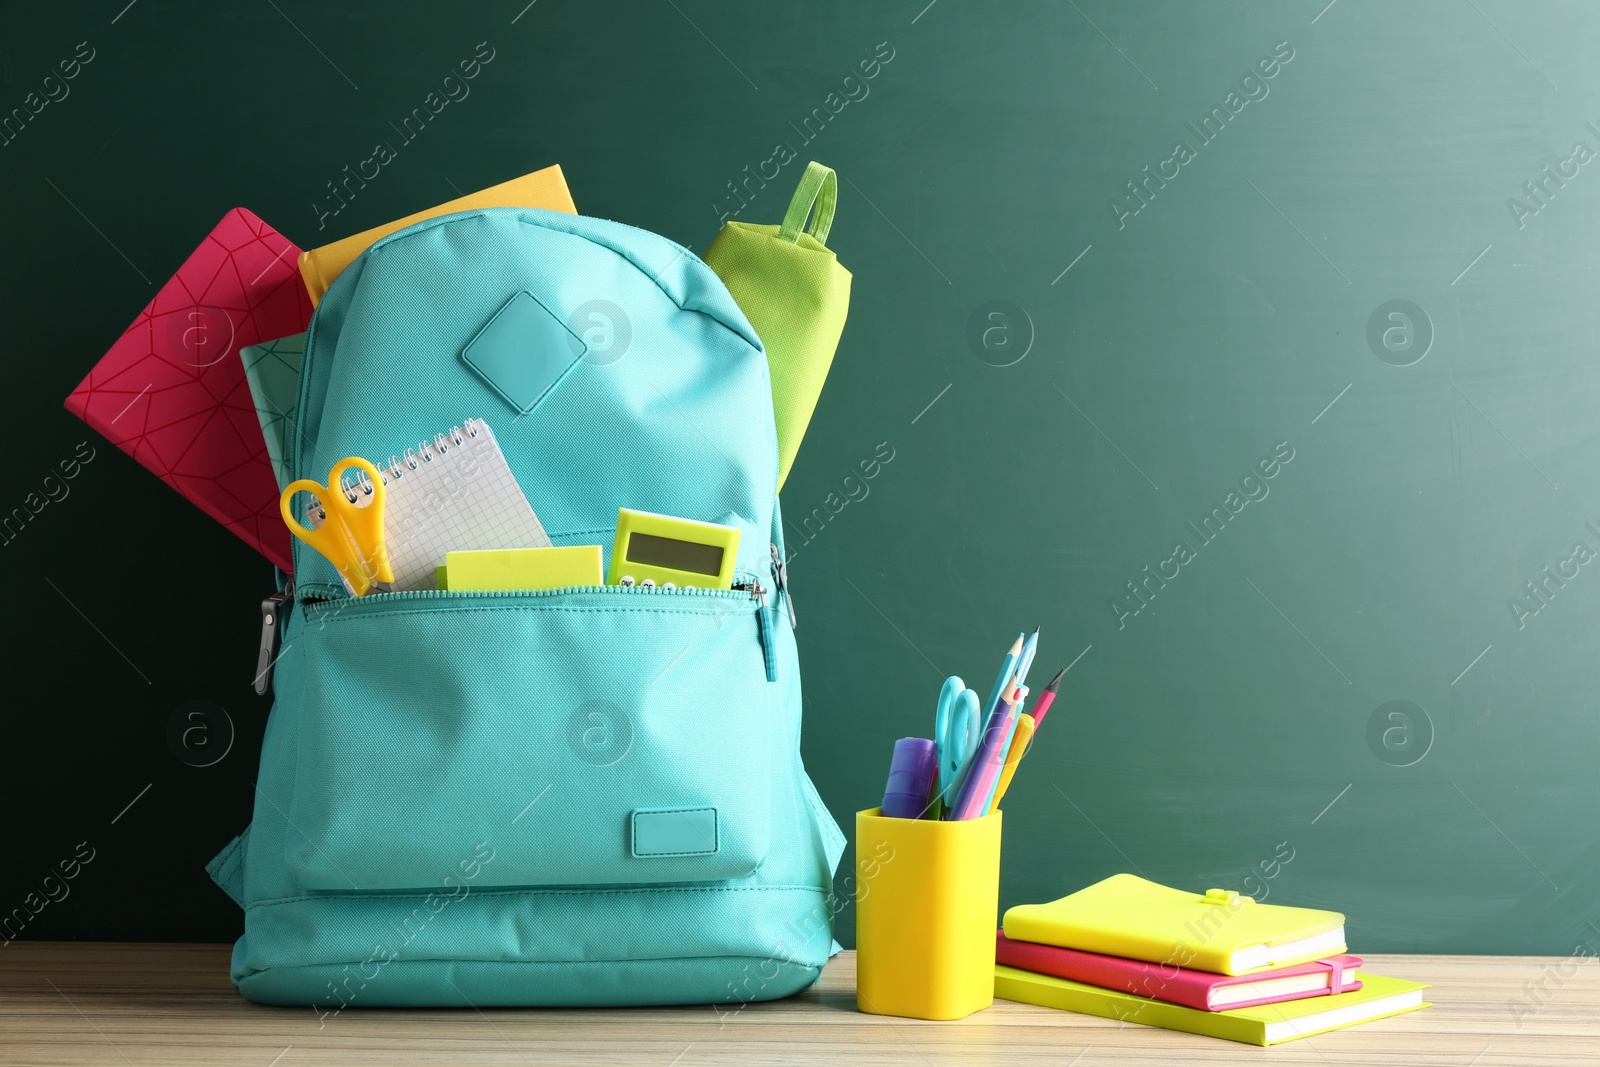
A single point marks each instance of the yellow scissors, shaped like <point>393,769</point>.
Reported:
<point>352,534</point>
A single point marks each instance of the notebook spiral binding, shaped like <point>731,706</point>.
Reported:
<point>425,452</point>
<point>453,491</point>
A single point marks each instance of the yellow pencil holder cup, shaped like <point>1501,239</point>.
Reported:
<point>927,904</point>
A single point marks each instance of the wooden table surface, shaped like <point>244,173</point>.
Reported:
<point>127,1004</point>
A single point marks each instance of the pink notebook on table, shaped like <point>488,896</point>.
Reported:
<point>172,391</point>
<point>1176,985</point>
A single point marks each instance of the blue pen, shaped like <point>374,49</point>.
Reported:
<point>993,710</point>
<point>1002,683</point>
<point>1026,661</point>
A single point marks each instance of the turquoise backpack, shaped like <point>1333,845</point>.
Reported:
<point>584,796</point>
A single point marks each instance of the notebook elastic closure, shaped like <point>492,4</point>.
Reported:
<point>1226,897</point>
<point>1335,975</point>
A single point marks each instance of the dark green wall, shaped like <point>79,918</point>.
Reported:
<point>1222,727</point>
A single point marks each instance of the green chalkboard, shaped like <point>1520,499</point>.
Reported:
<point>1248,349</point>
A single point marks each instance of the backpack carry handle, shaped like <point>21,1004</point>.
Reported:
<point>820,188</point>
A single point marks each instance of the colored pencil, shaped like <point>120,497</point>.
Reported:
<point>1046,698</point>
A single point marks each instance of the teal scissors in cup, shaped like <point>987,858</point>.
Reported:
<point>957,728</point>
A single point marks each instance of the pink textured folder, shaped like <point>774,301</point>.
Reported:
<point>1176,985</point>
<point>172,392</point>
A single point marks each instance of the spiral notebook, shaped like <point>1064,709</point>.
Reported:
<point>451,493</point>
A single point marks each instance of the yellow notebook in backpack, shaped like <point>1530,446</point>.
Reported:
<point>1218,931</point>
<point>545,188</point>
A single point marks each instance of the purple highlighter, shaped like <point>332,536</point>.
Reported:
<point>911,774</point>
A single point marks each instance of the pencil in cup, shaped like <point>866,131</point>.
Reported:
<point>1028,725</point>
<point>1019,748</point>
<point>973,799</point>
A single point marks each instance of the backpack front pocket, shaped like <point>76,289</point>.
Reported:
<point>580,737</point>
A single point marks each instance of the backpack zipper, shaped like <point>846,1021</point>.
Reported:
<point>780,579</point>
<point>769,648</point>
<point>317,598</point>
<point>273,607</point>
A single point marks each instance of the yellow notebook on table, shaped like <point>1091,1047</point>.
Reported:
<point>1218,931</point>
<point>1264,1024</point>
<point>545,188</point>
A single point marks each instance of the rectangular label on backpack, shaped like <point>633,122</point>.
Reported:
<point>675,832</point>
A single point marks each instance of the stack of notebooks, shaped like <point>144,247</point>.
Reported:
<point>1216,963</point>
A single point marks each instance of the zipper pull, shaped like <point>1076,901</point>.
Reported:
<point>769,647</point>
<point>272,610</point>
<point>780,577</point>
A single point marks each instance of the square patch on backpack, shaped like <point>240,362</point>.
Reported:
<point>523,351</point>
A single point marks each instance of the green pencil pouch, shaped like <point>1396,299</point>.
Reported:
<point>790,286</point>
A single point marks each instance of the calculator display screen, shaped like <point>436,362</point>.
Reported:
<point>674,554</point>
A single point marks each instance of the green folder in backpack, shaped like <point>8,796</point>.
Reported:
<point>796,296</point>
